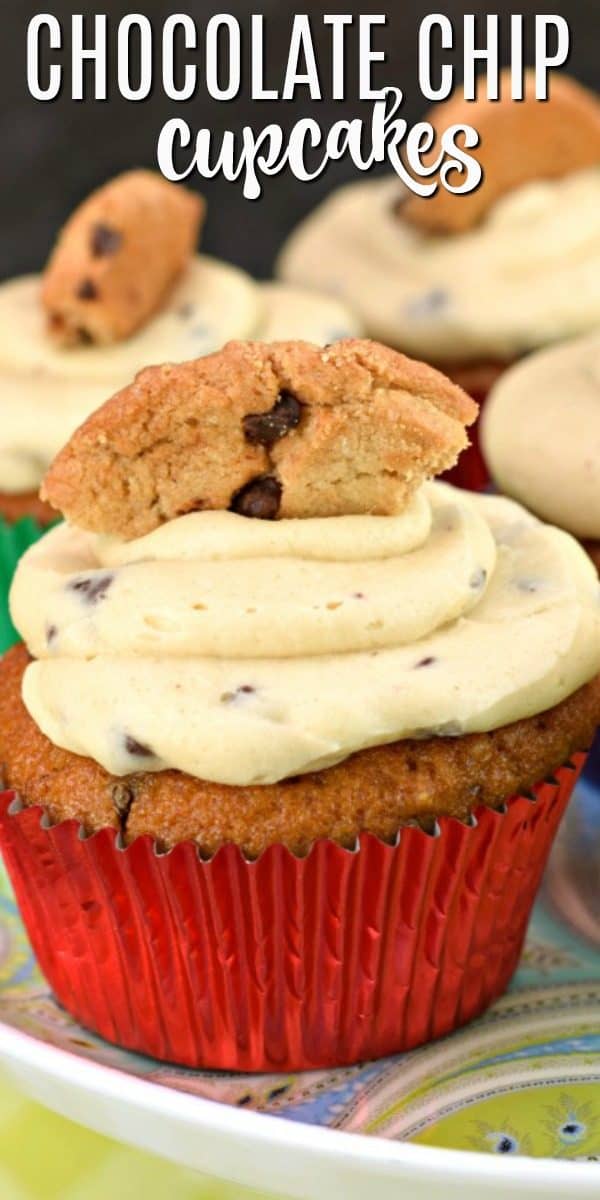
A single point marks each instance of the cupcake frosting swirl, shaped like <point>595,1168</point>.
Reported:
<point>527,275</point>
<point>247,652</point>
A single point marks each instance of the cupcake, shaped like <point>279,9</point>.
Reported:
<point>290,731</point>
<point>473,282</point>
<point>123,287</point>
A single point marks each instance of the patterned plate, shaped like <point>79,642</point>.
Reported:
<point>522,1080</point>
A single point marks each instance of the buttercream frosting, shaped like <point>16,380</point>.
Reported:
<point>527,275</point>
<point>246,652</point>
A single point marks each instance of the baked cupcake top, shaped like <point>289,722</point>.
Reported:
<point>124,287</point>
<point>541,435</point>
<point>174,628</point>
<point>494,274</point>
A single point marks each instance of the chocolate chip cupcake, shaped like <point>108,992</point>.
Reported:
<point>473,282</point>
<point>288,821</point>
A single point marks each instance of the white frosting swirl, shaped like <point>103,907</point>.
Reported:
<point>47,391</point>
<point>245,652</point>
<point>541,434</point>
<point>529,274</point>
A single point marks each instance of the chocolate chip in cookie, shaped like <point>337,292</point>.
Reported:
<point>105,240</point>
<point>264,429</point>
<point>245,689</point>
<point>260,498</point>
<point>87,290</point>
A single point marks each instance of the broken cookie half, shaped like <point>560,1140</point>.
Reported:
<point>266,430</point>
<point>118,256</point>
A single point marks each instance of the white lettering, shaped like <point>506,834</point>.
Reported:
<point>48,22</point>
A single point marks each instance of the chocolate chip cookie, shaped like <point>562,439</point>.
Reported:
<point>118,256</point>
<point>279,430</point>
<point>520,141</point>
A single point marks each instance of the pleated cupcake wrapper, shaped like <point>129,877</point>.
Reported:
<point>282,963</point>
<point>14,541</point>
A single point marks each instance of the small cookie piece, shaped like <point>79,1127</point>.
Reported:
<point>520,141</point>
<point>281,429</point>
<point>118,256</point>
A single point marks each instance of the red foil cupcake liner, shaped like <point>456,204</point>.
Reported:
<point>477,379</point>
<point>283,963</point>
<point>471,470</point>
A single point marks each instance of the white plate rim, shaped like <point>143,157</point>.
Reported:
<point>361,1154</point>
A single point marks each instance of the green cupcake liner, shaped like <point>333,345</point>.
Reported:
<point>14,540</point>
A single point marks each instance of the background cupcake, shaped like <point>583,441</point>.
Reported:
<point>123,287</point>
<point>471,283</point>
<point>331,842</point>
<point>541,437</point>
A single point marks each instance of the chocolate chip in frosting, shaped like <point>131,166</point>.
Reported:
<point>186,311</point>
<point>105,240</point>
<point>264,429</point>
<point>245,689</point>
<point>428,661</point>
<point>137,749</point>
<point>429,304</point>
<point>529,585</point>
<point>87,290</point>
<point>51,633</point>
<point>92,587</point>
<point>260,498</point>
<point>478,579</point>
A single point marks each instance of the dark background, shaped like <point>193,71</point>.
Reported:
<point>53,154</point>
